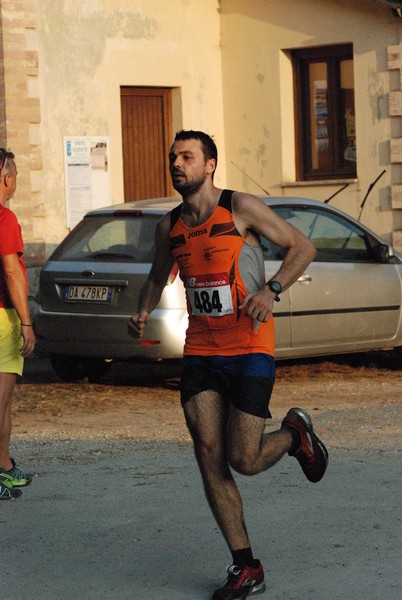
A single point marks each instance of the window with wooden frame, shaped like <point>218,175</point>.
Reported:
<point>325,112</point>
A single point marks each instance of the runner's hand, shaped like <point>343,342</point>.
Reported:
<point>28,337</point>
<point>259,304</point>
<point>136,325</point>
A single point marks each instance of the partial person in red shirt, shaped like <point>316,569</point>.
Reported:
<point>17,339</point>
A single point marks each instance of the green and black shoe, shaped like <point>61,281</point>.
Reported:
<point>15,476</point>
<point>7,492</point>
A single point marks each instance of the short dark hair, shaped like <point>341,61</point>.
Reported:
<point>6,160</point>
<point>208,145</point>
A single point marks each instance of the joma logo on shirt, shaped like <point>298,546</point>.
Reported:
<point>195,233</point>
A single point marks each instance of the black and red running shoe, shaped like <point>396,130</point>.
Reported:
<point>241,582</point>
<point>311,454</point>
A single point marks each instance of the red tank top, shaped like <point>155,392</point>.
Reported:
<point>218,270</point>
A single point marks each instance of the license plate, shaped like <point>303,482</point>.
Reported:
<point>87,293</point>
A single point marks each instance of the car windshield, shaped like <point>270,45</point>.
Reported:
<point>109,237</point>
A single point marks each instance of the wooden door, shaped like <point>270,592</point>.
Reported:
<point>147,136</point>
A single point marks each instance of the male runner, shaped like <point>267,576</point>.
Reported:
<point>228,364</point>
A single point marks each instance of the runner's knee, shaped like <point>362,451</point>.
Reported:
<point>242,462</point>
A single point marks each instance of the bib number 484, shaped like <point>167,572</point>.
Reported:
<point>207,302</point>
<point>209,295</point>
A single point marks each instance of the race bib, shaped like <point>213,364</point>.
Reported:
<point>209,295</point>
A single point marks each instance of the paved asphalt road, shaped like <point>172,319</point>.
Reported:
<point>122,520</point>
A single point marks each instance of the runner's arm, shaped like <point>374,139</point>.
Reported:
<point>254,215</point>
<point>155,284</point>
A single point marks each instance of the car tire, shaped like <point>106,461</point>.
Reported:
<point>95,369</point>
<point>398,356</point>
<point>75,368</point>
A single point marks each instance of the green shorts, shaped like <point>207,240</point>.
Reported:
<point>11,342</point>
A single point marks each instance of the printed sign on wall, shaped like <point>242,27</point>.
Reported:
<point>87,176</point>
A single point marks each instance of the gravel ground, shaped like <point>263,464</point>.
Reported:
<point>116,510</point>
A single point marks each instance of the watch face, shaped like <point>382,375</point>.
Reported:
<point>275,286</point>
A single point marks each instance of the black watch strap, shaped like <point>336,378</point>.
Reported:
<point>276,287</point>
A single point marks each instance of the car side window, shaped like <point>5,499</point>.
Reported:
<point>271,251</point>
<point>336,239</point>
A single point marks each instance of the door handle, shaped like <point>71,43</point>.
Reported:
<point>305,278</point>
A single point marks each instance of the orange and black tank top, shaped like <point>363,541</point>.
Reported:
<point>218,270</point>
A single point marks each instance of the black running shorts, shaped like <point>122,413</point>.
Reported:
<point>245,380</point>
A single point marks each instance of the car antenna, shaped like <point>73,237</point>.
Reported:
<point>244,173</point>
<point>368,191</point>
<point>337,192</point>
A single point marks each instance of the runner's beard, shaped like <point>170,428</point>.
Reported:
<point>189,188</point>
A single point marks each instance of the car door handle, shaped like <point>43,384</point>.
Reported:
<point>305,278</point>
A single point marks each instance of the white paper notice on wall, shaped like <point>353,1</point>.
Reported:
<point>87,175</point>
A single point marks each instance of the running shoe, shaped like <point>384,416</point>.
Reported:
<point>241,582</point>
<point>15,476</point>
<point>7,491</point>
<point>311,454</point>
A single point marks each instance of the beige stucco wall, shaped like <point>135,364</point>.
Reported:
<point>88,49</point>
<point>258,96</point>
<point>229,62</point>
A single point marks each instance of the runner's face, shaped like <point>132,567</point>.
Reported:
<point>188,167</point>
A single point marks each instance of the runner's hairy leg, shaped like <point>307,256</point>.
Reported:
<point>206,416</point>
<point>250,450</point>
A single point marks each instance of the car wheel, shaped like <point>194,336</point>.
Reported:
<point>398,356</point>
<point>96,369</point>
<point>76,368</point>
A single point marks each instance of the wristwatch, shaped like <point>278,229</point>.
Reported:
<point>276,287</point>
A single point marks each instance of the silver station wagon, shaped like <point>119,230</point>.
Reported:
<point>348,300</point>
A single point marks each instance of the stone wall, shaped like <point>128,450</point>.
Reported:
<point>20,118</point>
<point>395,112</point>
